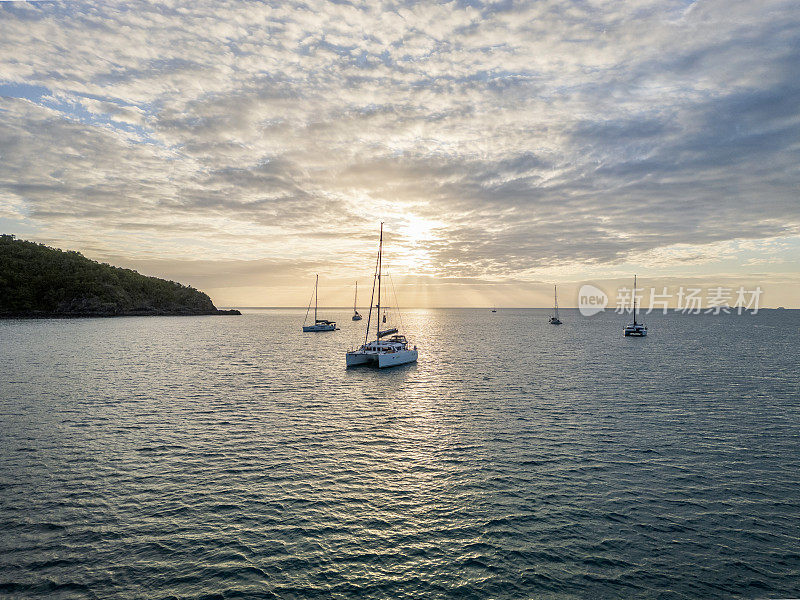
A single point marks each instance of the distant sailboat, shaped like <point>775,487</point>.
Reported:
<point>356,315</point>
<point>319,324</point>
<point>554,320</point>
<point>635,329</point>
<point>494,310</point>
<point>381,352</point>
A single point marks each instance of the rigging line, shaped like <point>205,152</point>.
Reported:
<point>380,273</point>
<point>372,299</point>
<point>396,303</point>
<point>309,308</point>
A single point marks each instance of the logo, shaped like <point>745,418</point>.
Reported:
<point>591,300</point>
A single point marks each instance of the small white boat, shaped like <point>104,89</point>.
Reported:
<point>635,329</point>
<point>554,320</point>
<point>384,351</point>
<point>319,324</point>
<point>356,314</point>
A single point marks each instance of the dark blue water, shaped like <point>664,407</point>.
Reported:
<point>217,457</point>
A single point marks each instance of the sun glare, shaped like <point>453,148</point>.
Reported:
<point>414,235</point>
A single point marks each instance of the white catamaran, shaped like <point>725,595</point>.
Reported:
<point>356,314</point>
<point>384,351</point>
<point>635,329</point>
<point>554,320</point>
<point>319,324</point>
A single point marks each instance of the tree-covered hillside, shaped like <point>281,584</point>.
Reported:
<point>39,281</point>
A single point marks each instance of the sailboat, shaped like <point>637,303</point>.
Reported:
<point>635,329</point>
<point>356,315</point>
<point>384,351</point>
<point>554,320</point>
<point>319,324</point>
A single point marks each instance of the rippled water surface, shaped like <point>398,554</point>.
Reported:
<point>216,457</point>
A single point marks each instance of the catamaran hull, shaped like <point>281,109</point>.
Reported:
<point>307,328</point>
<point>635,332</point>
<point>383,360</point>
<point>358,358</point>
<point>397,358</point>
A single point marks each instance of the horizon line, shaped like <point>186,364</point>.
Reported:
<point>673,309</point>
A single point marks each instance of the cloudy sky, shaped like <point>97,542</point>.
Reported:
<point>244,146</point>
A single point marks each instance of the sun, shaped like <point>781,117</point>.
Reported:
<point>409,238</point>
<point>414,251</point>
<point>418,229</point>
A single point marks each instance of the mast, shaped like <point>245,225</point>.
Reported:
<point>355,299</point>
<point>316,287</point>
<point>380,266</point>
<point>372,296</point>
<point>634,299</point>
<point>555,296</point>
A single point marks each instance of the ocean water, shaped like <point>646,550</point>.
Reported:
<point>236,457</point>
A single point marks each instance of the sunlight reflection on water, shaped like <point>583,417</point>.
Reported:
<point>218,455</point>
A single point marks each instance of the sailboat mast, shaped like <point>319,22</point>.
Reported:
<point>316,297</point>
<point>372,296</point>
<point>380,266</point>
<point>555,300</point>
<point>355,299</point>
<point>634,299</point>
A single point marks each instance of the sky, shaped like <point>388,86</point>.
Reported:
<point>242,147</point>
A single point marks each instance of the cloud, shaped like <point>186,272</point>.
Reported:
<point>518,137</point>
